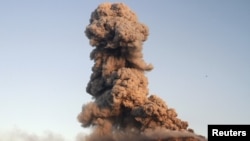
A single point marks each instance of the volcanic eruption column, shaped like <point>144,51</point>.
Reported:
<point>117,83</point>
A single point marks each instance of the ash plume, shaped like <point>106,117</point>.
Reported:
<point>122,107</point>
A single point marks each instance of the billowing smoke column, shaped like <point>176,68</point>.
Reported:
<point>122,104</point>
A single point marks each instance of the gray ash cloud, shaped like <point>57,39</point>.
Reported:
<point>122,105</point>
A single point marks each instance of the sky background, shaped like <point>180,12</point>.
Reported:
<point>200,51</point>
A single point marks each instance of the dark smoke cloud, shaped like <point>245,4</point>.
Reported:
<point>122,107</point>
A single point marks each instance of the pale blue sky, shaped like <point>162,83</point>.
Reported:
<point>200,51</point>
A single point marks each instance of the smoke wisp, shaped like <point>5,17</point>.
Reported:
<point>122,107</point>
<point>17,134</point>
